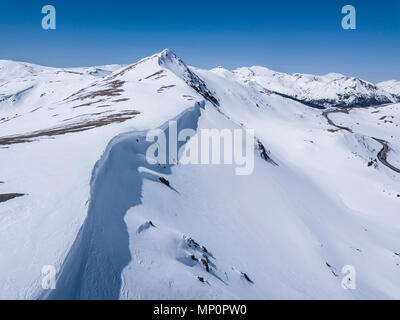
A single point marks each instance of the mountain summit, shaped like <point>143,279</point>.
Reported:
<point>79,197</point>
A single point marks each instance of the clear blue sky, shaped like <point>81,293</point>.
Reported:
<point>286,35</point>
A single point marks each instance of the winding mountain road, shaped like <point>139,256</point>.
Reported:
<point>382,155</point>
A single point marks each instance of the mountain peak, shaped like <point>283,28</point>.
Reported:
<point>166,52</point>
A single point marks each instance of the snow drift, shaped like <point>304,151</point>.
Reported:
<point>72,145</point>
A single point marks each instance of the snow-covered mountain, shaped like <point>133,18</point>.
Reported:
<point>77,193</point>
<point>331,90</point>
<point>391,86</point>
<point>23,85</point>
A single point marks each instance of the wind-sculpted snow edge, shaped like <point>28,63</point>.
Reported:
<point>93,267</point>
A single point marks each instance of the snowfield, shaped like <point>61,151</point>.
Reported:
<point>391,86</point>
<point>330,90</point>
<point>77,193</point>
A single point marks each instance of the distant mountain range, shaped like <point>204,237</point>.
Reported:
<point>331,90</point>
<point>77,193</point>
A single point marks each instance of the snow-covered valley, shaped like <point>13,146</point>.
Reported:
<point>77,193</point>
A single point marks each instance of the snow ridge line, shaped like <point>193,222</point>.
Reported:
<point>94,264</point>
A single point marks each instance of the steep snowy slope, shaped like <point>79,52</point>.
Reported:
<point>24,86</point>
<point>331,90</point>
<point>391,86</point>
<point>116,226</point>
<point>48,156</point>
